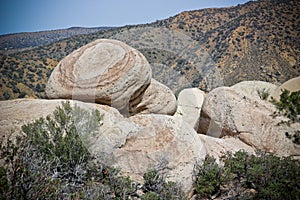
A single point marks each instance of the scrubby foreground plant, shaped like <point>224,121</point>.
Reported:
<point>52,162</point>
<point>157,188</point>
<point>245,176</point>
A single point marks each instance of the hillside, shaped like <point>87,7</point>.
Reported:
<point>203,48</point>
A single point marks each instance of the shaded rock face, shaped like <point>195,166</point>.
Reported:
<point>104,71</point>
<point>226,112</point>
<point>291,85</point>
<point>157,98</point>
<point>190,102</point>
<point>163,142</point>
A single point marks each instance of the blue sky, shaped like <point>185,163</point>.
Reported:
<point>36,15</point>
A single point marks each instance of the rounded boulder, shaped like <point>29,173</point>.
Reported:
<point>104,71</point>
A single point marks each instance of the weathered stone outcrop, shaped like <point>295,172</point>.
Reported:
<point>291,85</point>
<point>226,112</point>
<point>190,102</point>
<point>157,98</point>
<point>104,71</point>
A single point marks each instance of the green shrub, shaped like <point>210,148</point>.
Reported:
<point>155,187</point>
<point>264,93</point>
<point>245,176</point>
<point>151,196</point>
<point>59,140</point>
<point>289,105</point>
<point>208,178</point>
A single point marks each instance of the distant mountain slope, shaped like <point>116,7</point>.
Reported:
<point>259,40</point>
<point>206,48</point>
<point>33,39</point>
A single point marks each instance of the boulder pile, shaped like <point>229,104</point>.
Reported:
<point>144,126</point>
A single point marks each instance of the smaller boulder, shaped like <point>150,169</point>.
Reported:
<point>157,99</point>
<point>190,102</point>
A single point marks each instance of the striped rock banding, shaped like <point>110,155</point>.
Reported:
<point>104,71</point>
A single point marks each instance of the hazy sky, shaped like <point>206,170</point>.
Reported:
<point>37,15</point>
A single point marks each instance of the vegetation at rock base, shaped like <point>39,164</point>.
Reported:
<point>52,161</point>
<point>209,178</point>
<point>245,176</point>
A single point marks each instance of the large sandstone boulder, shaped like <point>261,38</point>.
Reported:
<point>190,102</point>
<point>157,98</point>
<point>291,85</point>
<point>226,112</point>
<point>104,71</point>
<point>255,89</point>
<point>164,142</point>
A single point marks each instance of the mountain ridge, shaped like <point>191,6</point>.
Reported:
<point>33,39</point>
